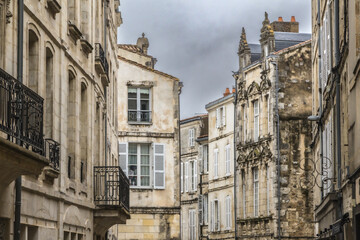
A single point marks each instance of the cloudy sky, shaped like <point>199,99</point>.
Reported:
<point>197,40</point>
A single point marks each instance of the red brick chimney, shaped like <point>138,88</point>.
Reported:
<point>281,26</point>
<point>280,19</point>
<point>227,92</point>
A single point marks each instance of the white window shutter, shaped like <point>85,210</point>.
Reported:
<point>195,176</point>
<point>218,217</point>
<point>201,160</point>
<point>182,177</point>
<point>223,116</point>
<point>186,176</point>
<point>200,208</point>
<point>212,218</point>
<point>123,156</point>
<point>217,118</point>
<point>328,39</point>
<point>216,155</point>
<point>159,166</point>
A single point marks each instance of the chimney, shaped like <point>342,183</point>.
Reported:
<point>281,26</point>
<point>227,92</point>
<point>233,90</point>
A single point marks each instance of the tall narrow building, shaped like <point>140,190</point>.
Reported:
<point>148,121</point>
<point>273,134</point>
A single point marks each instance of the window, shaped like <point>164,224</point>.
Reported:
<point>327,161</point>
<point>227,159</point>
<point>33,61</point>
<point>256,191</point>
<point>186,176</point>
<point>244,122</point>
<point>243,180</point>
<point>143,163</point>
<point>216,163</point>
<point>193,175</point>
<point>215,215</point>
<point>325,32</point>
<point>205,158</point>
<point>256,120</point>
<point>205,208</point>
<point>267,190</point>
<point>139,105</point>
<point>220,117</point>
<point>227,212</point>
<point>83,132</point>
<point>192,224</point>
<point>71,125</point>
<point>49,71</point>
<point>182,177</point>
<point>192,137</point>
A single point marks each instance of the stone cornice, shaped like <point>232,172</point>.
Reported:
<point>145,134</point>
<point>155,210</point>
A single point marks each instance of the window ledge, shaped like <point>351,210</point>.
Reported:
<point>140,123</point>
<point>141,189</point>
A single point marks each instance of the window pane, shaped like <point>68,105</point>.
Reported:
<point>145,160</point>
<point>144,93</point>
<point>132,104</point>
<point>144,105</point>
<point>132,93</point>
<point>132,159</point>
<point>132,148</point>
<point>145,149</point>
<point>145,170</point>
<point>145,181</point>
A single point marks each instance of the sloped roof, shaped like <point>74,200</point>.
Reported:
<point>255,52</point>
<point>147,68</point>
<point>287,39</point>
<point>133,48</point>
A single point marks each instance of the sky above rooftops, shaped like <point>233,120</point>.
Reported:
<point>197,40</point>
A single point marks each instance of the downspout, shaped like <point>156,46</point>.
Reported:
<point>277,148</point>
<point>179,139</point>
<point>235,172</point>
<point>320,100</point>
<point>105,88</point>
<point>338,112</point>
<point>20,79</point>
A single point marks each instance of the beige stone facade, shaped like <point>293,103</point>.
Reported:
<point>69,62</point>
<point>148,122</point>
<point>335,143</point>
<point>220,204</point>
<point>194,165</point>
<point>273,134</point>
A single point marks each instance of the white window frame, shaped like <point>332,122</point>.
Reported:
<point>186,177</point>
<point>182,177</point>
<point>192,224</point>
<point>256,107</point>
<point>138,164</point>
<point>216,163</point>
<point>206,208</point>
<point>205,157</point>
<point>228,213</point>
<point>256,191</point>
<point>192,137</point>
<point>327,168</point>
<point>221,117</point>
<point>193,175</point>
<point>215,215</point>
<point>227,160</point>
<point>138,106</point>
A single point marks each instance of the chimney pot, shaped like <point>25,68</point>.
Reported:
<point>233,90</point>
<point>227,92</point>
<point>280,19</point>
<point>293,19</point>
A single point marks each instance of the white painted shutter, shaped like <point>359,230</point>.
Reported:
<point>123,157</point>
<point>218,118</point>
<point>218,217</point>
<point>227,159</point>
<point>159,166</point>
<point>195,176</point>
<point>186,176</point>
<point>328,40</point>
<point>200,208</point>
<point>216,168</point>
<point>223,116</point>
<point>212,218</point>
<point>201,160</point>
<point>182,177</point>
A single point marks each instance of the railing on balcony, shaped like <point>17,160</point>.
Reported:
<point>142,116</point>
<point>21,118</point>
<point>100,56</point>
<point>111,187</point>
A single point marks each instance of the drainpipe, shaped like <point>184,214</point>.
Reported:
<point>20,79</point>
<point>235,172</point>
<point>277,88</point>
<point>179,92</point>
<point>338,111</point>
<point>105,88</point>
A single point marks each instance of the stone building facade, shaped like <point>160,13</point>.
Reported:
<point>335,146</point>
<point>193,133</point>
<point>273,134</point>
<point>148,123</point>
<point>59,133</point>
<point>220,182</point>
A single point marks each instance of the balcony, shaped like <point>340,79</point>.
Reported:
<point>22,146</point>
<point>111,197</point>
<point>139,117</point>
<point>101,64</point>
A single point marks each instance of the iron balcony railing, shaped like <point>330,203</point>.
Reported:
<point>100,56</point>
<point>21,118</point>
<point>139,116</point>
<point>111,187</point>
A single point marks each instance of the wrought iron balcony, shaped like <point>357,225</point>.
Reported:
<point>111,187</point>
<point>142,116</point>
<point>21,118</point>
<point>101,58</point>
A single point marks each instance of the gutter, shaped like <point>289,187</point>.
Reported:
<point>235,172</point>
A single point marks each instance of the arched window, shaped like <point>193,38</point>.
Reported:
<point>83,133</point>
<point>71,126</point>
<point>33,61</point>
<point>49,71</point>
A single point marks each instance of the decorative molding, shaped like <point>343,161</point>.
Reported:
<point>8,13</point>
<point>253,89</point>
<point>155,210</point>
<point>145,134</point>
<point>254,151</point>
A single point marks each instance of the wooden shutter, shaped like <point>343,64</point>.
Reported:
<point>212,218</point>
<point>186,176</point>
<point>216,163</point>
<point>217,118</point>
<point>223,116</point>
<point>328,40</point>
<point>227,159</point>
<point>123,156</point>
<point>218,216</point>
<point>182,177</point>
<point>195,176</point>
<point>201,160</point>
<point>200,208</point>
<point>159,166</point>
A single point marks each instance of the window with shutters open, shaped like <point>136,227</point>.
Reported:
<point>215,216</point>
<point>193,175</point>
<point>216,163</point>
<point>139,164</point>
<point>227,159</point>
<point>328,161</point>
<point>159,166</point>
<point>326,58</point>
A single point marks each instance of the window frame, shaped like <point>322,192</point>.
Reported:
<point>256,119</point>
<point>191,137</point>
<point>139,165</point>
<point>256,191</point>
<point>227,160</point>
<point>216,163</point>
<point>192,224</point>
<point>138,106</point>
<point>228,212</point>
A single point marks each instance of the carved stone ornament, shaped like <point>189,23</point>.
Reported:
<point>265,83</point>
<point>254,151</point>
<point>242,93</point>
<point>8,13</point>
<point>253,89</point>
